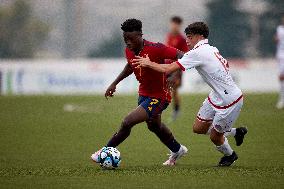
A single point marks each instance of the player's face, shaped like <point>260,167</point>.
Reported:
<point>133,40</point>
<point>174,27</point>
<point>192,40</point>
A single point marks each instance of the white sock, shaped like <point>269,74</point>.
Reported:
<point>209,130</point>
<point>225,148</point>
<point>230,133</point>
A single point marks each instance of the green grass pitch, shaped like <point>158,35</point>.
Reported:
<point>43,146</point>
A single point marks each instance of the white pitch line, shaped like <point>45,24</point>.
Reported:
<point>83,108</point>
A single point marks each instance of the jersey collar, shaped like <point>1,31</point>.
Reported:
<point>144,43</point>
<point>202,42</point>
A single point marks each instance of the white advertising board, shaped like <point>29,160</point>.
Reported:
<point>93,77</point>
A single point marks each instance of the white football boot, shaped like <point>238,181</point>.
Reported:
<point>175,156</point>
<point>96,156</point>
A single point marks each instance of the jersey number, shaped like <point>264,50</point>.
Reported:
<point>154,101</point>
<point>223,61</point>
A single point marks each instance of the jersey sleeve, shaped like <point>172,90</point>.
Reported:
<point>189,60</point>
<point>167,52</point>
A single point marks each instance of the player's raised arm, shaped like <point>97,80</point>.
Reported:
<point>146,62</point>
<point>124,73</point>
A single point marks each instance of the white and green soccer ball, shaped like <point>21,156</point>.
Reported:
<point>109,158</point>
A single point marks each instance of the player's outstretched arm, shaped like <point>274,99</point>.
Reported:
<point>146,62</point>
<point>124,73</point>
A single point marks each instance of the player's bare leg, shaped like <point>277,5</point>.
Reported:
<point>280,103</point>
<point>165,135</point>
<point>136,116</point>
<point>154,124</point>
<point>201,127</point>
<point>219,139</point>
<point>205,127</point>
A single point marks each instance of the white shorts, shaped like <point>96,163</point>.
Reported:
<point>222,118</point>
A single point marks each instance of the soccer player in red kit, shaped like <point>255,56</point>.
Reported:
<point>154,95</point>
<point>177,40</point>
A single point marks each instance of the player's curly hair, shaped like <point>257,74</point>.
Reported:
<point>197,28</point>
<point>176,19</point>
<point>131,25</point>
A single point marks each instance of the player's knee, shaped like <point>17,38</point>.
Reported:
<point>126,123</point>
<point>153,126</point>
<point>197,129</point>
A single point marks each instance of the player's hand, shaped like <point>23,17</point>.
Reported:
<point>110,91</point>
<point>139,61</point>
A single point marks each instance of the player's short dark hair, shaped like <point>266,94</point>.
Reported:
<point>131,25</point>
<point>197,28</point>
<point>176,19</point>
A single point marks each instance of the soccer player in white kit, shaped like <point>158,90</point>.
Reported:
<point>221,108</point>
<point>279,37</point>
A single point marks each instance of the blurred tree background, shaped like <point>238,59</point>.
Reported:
<point>112,47</point>
<point>233,27</point>
<point>229,27</point>
<point>268,22</point>
<point>20,33</point>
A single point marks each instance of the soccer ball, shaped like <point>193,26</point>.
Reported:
<point>109,158</point>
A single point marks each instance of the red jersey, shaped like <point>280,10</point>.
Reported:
<point>152,83</point>
<point>177,41</point>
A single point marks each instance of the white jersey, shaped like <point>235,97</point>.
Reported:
<point>280,44</point>
<point>213,68</point>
